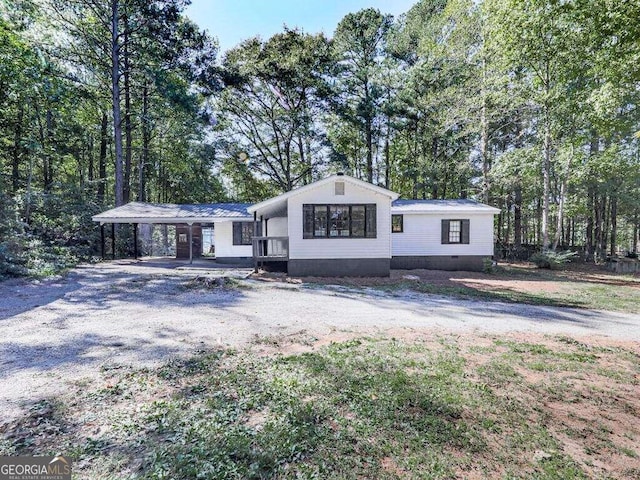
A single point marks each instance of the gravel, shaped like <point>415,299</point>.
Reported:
<point>65,331</point>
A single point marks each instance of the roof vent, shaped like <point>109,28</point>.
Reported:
<point>340,174</point>
<point>339,188</point>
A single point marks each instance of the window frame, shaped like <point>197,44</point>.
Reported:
<point>369,231</point>
<point>397,215</point>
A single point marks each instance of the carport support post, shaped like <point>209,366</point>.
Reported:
<point>135,241</point>
<point>113,241</point>
<point>190,243</point>
<point>102,240</point>
<point>253,243</point>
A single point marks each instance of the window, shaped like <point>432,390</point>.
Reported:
<point>319,221</point>
<point>358,220</point>
<point>243,233</point>
<point>182,237</point>
<point>339,221</point>
<point>397,223</point>
<point>455,231</point>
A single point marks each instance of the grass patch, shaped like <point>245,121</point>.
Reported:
<point>572,294</point>
<point>364,408</point>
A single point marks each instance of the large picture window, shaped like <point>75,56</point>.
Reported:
<point>455,231</point>
<point>339,221</point>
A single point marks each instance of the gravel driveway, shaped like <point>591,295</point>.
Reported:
<point>59,332</point>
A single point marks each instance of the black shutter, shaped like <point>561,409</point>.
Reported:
<point>370,221</point>
<point>464,234</point>
<point>445,232</point>
<point>237,233</point>
<point>307,221</point>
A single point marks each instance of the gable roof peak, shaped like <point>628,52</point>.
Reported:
<point>337,176</point>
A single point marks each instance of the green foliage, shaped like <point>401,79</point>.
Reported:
<point>275,90</point>
<point>553,260</point>
<point>528,105</point>
<point>58,235</point>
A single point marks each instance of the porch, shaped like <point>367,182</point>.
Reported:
<point>270,249</point>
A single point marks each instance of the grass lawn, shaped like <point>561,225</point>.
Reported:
<point>424,406</point>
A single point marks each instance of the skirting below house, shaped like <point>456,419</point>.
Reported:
<point>344,267</point>
<point>473,263</point>
<point>242,261</point>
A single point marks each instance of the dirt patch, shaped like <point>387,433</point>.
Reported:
<point>522,277</point>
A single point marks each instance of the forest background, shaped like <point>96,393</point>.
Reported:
<point>527,105</point>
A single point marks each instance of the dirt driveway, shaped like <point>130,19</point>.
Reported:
<point>60,332</point>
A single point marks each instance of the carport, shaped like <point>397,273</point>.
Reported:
<point>188,215</point>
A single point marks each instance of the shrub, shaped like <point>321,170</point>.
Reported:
<point>551,259</point>
<point>489,265</point>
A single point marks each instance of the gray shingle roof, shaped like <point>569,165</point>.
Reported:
<point>138,211</point>
<point>439,206</point>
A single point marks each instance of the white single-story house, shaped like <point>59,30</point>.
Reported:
<point>337,226</point>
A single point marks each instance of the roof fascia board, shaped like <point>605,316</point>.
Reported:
<point>163,220</point>
<point>448,211</point>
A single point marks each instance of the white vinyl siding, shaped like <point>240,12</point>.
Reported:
<point>223,240</point>
<point>277,227</point>
<point>312,248</point>
<point>422,236</point>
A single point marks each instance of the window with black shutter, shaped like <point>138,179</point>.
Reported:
<point>339,221</point>
<point>455,231</point>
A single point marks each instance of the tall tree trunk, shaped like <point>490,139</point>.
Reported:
<point>42,137</point>
<point>538,230</point>
<point>507,233</point>
<point>115,91</point>
<point>27,213</point>
<point>594,147</point>
<point>604,232</point>
<point>517,216</point>
<point>614,223</point>
<point>546,184</point>
<point>636,233</point>
<point>484,138</point>
<point>369,135</point>
<point>126,189</point>
<point>600,236</point>
<point>48,180</point>
<point>90,165</point>
<point>589,232</point>
<point>17,150</point>
<point>102,160</point>
<point>387,156</point>
<point>563,195</point>
<point>146,140</point>
<point>518,233</point>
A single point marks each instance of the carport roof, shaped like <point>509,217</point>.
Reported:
<point>140,212</point>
